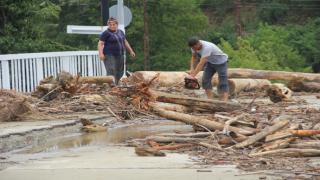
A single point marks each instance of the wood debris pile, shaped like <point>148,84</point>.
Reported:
<point>233,130</point>
<point>13,105</point>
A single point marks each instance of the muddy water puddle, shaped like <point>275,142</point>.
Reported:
<point>103,154</point>
<point>111,136</point>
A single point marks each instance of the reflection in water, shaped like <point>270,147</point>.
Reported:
<point>114,135</point>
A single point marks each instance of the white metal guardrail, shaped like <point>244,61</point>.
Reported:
<point>24,71</point>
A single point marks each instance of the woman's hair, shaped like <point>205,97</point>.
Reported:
<point>112,19</point>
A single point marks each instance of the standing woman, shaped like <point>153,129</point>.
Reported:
<point>111,46</point>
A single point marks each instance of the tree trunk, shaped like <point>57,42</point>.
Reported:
<point>278,144</point>
<point>272,75</point>
<point>194,120</point>
<point>268,130</point>
<point>306,145</point>
<point>278,135</point>
<point>213,105</point>
<point>291,152</point>
<point>96,79</point>
<point>168,78</point>
<point>165,79</point>
<point>187,135</point>
<point>177,107</point>
<point>298,86</point>
<point>239,85</point>
<point>146,37</point>
<point>162,139</point>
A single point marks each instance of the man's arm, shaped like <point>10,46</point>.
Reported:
<point>199,66</point>
<point>193,60</point>
<point>131,52</point>
<point>100,49</point>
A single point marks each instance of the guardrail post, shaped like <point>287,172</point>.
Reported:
<point>5,75</point>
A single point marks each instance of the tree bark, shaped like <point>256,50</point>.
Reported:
<point>194,120</point>
<point>268,130</point>
<point>213,105</point>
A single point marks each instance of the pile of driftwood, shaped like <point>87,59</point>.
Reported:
<point>13,105</point>
<point>278,137</point>
<point>66,85</point>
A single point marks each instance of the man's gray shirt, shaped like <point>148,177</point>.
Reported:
<point>213,52</point>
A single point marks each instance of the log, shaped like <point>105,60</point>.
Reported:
<point>213,105</point>
<point>169,78</point>
<point>238,85</point>
<point>291,152</point>
<point>272,75</point>
<point>305,132</point>
<point>176,107</point>
<point>268,130</point>
<point>165,79</point>
<point>96,80</point>
<point>148,151</point>
<point>210,146</point>
<point>233,120</point>
<point>162,139</point>
<point>93,128</point>
<point>227,140</point>
<point>289,133</point>
<point>187,135</point>
<point>159,147</point>
<point>194,120</point>
<point>243,120</point>
<point>278,135</point>
<point>278,144</point>
<point>299,85</point>
<point>306,145</point>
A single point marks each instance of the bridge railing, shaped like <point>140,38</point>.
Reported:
<point>24,71</point>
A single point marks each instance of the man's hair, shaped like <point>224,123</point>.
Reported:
<point>112,19</point>
<point>193,41</point>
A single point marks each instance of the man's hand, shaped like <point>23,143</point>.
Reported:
<point>190,77</point>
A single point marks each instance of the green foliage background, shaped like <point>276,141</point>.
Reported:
<point>275,36</point>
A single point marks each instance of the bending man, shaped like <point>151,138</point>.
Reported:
<point>213,60</point>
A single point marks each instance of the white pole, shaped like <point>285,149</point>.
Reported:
<point>120,15</point>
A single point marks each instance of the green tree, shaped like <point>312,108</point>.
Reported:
<point>25,26</point>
